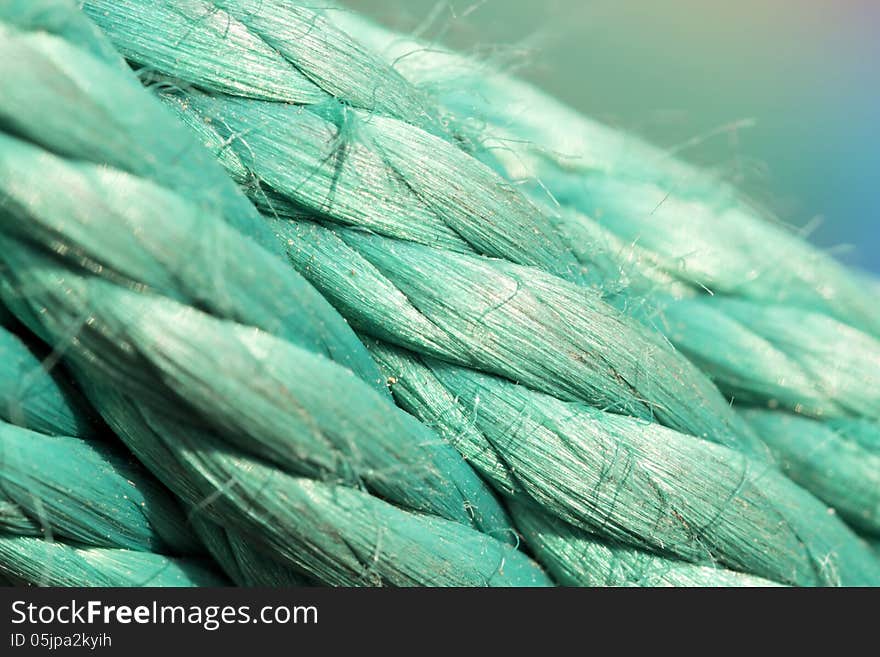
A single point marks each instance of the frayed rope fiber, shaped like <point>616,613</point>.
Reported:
<point>289,299</point>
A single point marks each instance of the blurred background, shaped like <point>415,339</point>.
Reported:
<point>781,96</point>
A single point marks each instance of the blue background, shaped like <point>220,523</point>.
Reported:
<point>683,72</point>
